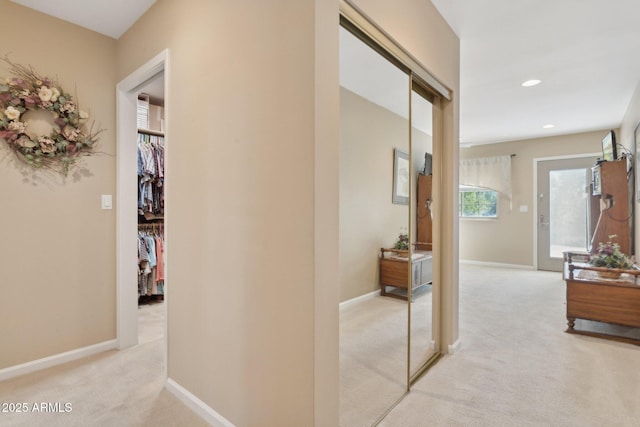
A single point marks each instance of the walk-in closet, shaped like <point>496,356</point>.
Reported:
<point>151,209</point>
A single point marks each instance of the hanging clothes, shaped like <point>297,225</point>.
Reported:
<point>150,169</point>
<point>160,265</point>
<point>150,261</point>
<point>150,175</point>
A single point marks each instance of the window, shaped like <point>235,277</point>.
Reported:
<point>475,202</point>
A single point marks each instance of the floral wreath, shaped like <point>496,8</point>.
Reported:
<point>28,91</point>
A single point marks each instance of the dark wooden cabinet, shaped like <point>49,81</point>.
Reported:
<point>611,199</point>
<point>394,270</point>
<point>424,227</point>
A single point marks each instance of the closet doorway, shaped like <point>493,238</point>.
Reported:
<point>151,207</point>
<point>127,204</point>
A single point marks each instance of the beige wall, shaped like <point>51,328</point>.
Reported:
<point>510,238</point>
<point>368,218</point>
<point>253,197</point>
<point>57,247</point>
<point>629,123</point>
<point>242,256</point>
<point>240,196</point>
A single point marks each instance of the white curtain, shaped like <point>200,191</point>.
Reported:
<point>487,172</point>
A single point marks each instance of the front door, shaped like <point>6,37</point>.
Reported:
<point>563,209</point>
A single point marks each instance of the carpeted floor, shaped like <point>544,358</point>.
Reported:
<point>373,353</point>
<point>116,388</point>
<point>516,367</point>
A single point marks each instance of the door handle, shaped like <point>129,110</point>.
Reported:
<point>541,222</point>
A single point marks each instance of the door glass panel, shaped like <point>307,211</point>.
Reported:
<point>564,215</point>
<point>374,124</point>
<point>568,207</point>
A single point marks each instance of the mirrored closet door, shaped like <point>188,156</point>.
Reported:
<point>375,186</point>
<point>422,340</point>
<point>391,115</point>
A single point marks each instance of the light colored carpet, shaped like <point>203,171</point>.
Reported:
<point>115,388</point>
<point>517,366</point>
<point>421,346</point>
<point>373,359</point>
<point>373,353</point>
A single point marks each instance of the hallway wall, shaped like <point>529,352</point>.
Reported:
<point>240,200</point>
<point>253,194</point>
<point>57,247</point>
<point>252,239</point>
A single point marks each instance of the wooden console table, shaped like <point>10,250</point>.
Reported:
<point>591,297</point>
<point>394,271</point>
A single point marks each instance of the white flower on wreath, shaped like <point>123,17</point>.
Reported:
<point>83,115</point>
<point>12,113</point>
<point>18,127</point>
<point>25,93</point>
<point>45,94</point>
<point>55,93</point>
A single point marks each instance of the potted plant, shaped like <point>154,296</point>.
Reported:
<point>610,256</point>
<point>403,242</point>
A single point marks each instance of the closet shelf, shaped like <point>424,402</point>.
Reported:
<point>150,132</point>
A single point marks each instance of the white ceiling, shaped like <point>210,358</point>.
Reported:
<point>366,73</point>
<point>586,52</point>
<point>109,17</point>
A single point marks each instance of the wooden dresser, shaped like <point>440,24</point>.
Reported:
<point>611,301</point>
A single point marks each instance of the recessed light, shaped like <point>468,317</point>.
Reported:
<point>531,82</point>
<point>549,126</point>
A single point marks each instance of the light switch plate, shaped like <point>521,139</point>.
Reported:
<point>524,208</point>
<point>107,201</point>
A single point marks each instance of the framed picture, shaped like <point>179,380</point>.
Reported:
<point>636,145</point>
<point>400,177</point>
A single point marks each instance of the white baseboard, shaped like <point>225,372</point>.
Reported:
<point>454,348</point>
<point>56,359</point>
<point>352,301</point>
<point>197,405</point>
<point>497,264</point>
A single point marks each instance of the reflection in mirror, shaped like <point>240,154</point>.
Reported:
<point>422,342</point>
<point>374,121</point>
